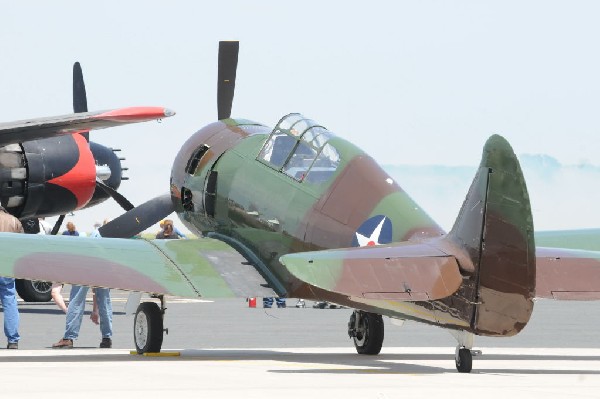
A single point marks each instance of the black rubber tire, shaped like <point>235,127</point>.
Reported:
<point>464,362</point>
<point>148,328</point>
<point>372,341</point>
<point>34,291</point>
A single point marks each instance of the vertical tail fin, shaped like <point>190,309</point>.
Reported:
<point>493,242</point>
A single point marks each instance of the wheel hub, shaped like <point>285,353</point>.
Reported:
<point>41,286</point>
<point>141,329</point>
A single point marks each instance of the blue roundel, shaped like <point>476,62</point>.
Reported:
<point>374,231</point>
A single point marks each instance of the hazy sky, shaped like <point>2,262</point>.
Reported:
<point>419,82</point>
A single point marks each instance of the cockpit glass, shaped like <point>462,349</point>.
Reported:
<point>324,166</point>
<point>277,149</point>
<point>289,120</point>
<point>299,148</point>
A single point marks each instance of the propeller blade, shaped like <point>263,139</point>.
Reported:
<point>57,225</point>
<point>139,218</point>
<point>79,94</point>
<point>120,199</point>
<point>228,59</point>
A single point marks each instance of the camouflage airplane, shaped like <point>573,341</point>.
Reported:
<point>317,218</point>
<point>48,166</point>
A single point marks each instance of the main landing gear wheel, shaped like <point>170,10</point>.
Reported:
<point>366,330</point>
<point>34,290</point>
<point>464,360</point>
<point>148,328</point>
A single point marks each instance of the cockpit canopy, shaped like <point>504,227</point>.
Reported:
<point>299,148</point>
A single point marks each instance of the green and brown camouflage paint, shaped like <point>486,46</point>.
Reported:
<point>271,215</point>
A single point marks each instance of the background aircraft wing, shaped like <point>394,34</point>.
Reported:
<point>567,274</point>
<point>401,272</point>
<point>588,239</point>
<point>184,268</point>
<point>33,129</point>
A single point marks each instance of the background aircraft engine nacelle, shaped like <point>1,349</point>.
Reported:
<point>108,169</point>
<point>47,177</point>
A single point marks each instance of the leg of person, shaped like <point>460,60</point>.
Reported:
<point>74,316</point>
<point>267,302</point>
<point>105,311</point>
<point>8,296</point>
<point>57,297</point>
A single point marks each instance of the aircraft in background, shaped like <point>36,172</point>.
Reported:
<point>48,167</point>
<point>317,218</point>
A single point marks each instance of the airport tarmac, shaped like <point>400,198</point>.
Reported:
<point>228,350</point>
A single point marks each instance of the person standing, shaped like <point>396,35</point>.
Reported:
<point>168,231</point>
<point>71,230</point>
<point>8,293</point>
<point>102,308</point>
<point>45,227</point>
<point>175,229</point>
<point>101,313</point>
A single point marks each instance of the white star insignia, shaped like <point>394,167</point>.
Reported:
<point>373,239</point>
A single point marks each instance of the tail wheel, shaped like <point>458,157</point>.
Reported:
<point>464,360</point>
<point>368,334</point>
<point>148,328</point>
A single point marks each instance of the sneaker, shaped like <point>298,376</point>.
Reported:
<point>63,344</point>
<point>12,345</point>
<point>106,343</point>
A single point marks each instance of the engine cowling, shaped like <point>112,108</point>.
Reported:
<point>52,176</point>
<point>192,183</point>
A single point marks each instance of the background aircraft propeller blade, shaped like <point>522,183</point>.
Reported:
<point>80,105</point>
<point>139,218</point>
<point>121,200</point>
<point>228,59</point>
<point>79,94</point>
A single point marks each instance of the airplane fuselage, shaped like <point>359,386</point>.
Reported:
<point>298,188</point>
<point>224,186</point>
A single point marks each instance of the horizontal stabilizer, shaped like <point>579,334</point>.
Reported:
<point>400,272</point>
<point>566,274</point>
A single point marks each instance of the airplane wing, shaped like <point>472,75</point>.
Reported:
<point>588,239</point>
<point>33,129</point>
<point>184,268</point>
<point>567,274</point>
<point>400,272</point>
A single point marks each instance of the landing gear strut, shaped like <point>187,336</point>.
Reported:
<point>463,357</point>
<point>366,329</point>
<point>148,326</point>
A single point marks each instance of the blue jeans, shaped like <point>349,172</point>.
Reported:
<point>268,302</point>
<point>76,310</point>
<point>8,296</point>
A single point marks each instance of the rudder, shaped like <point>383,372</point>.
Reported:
<point>493,243</point>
